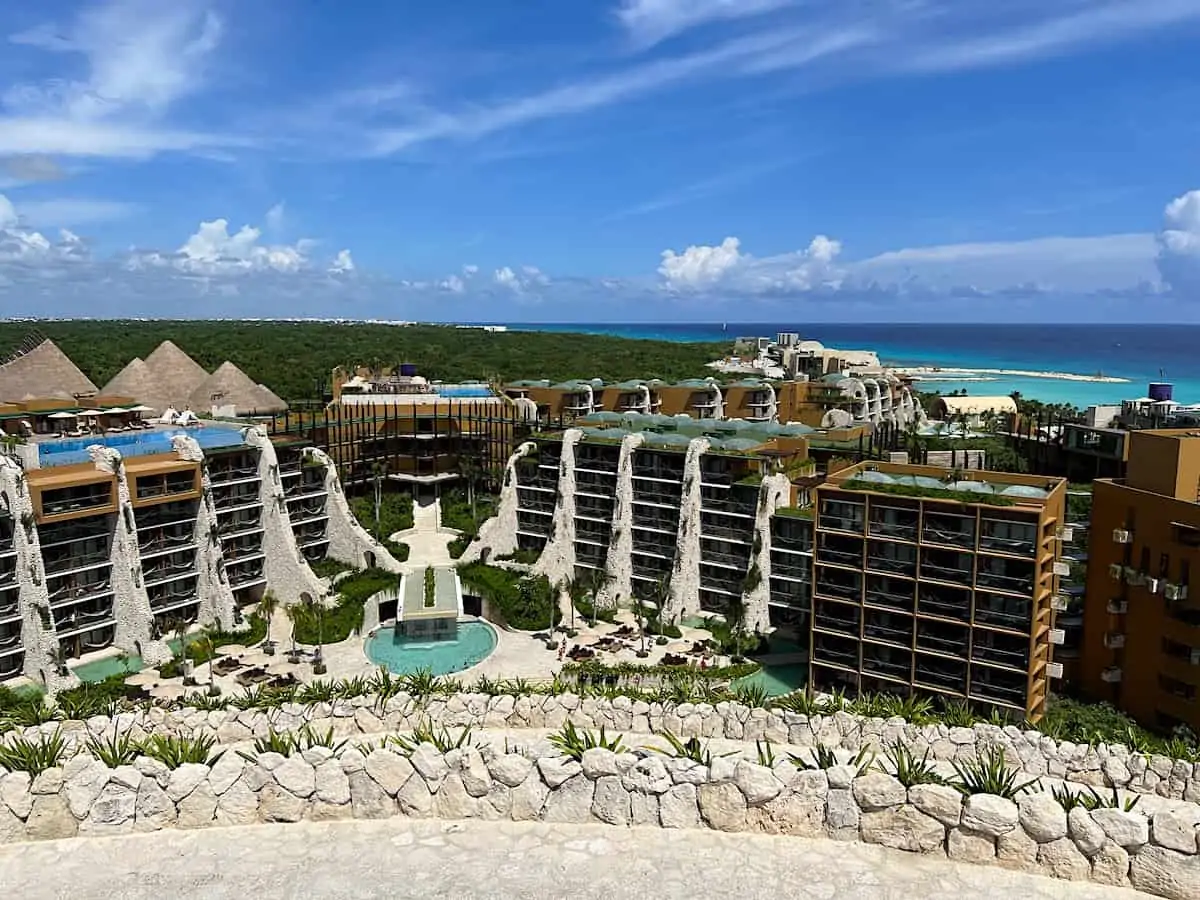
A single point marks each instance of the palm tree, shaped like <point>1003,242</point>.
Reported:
<point>377,473</point>
<point>576,589</point>
<point>206,646</point>
<point>660,594</point>
<point>594,582</point>
<point>295,614</point>
<point>314,607</point>
<point>470,470</point>
<point>639,612</point>
<point>266,609</point>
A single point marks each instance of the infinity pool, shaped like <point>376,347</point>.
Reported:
<point>403,655</point>
<point>69,451</point>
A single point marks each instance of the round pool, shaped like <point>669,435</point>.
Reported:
<point>403,655</point>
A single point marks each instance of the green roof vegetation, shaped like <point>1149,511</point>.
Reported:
<point>912,490</point>
<point>793,512</point>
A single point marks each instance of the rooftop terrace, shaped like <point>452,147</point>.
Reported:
<point>967,486</point>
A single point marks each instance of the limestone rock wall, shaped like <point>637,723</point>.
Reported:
<point>217,603</point>
<point>619,562</point>
<point>772,494</point>
<point>685,577</point>
<point>131,604</point>
<point>287,571</point>
<point>498,535</point>
<point>526,779</point>
<point>37,623</point>
<point>349,542</point>
<point>558,558</point>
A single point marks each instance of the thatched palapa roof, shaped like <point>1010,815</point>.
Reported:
<point>136,380</point>
<point>176,375</point>
<point>43,372</point>
<point>230,386</point>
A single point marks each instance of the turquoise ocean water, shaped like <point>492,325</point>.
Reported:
<point>1138,353</point>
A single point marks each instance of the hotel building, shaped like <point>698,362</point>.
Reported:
<point>396,425</point>
<point>889,578</point>
<point>1141,643</point>
<point>829,401</point>
<point>942,587</point>
<point>107,541</point>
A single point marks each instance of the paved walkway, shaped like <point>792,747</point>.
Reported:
<point>426,542</point>
<point>426,859</point>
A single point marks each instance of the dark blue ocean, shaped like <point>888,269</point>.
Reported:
<point>993,355</point>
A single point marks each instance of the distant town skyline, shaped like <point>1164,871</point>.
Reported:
<point>607,160</point>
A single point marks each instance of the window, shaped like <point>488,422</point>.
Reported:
<point>1164,565</point>
<point>1176,687</point>
<point>1177,650</point>
<point>1185,572</point>
<point>1145,566</point>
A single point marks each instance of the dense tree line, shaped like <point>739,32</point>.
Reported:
<point>293,358</point>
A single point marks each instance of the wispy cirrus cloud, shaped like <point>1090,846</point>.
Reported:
<point>851,40</point>
<point>651,21</point>
<point>136,59</point>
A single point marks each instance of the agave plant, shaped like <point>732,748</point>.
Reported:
<point>801,702</point>
<point>907,768</point>
<point>425,733</point>
<point>420,685</point>
<point>766,754</point>
<point>174,751</point>
<point>692,749</point>
<point>285,743</point>
<point>319,691</point>
<point>957,714</point>
<point>988,773</point>
<point>1094,800</point>
<point>752,695</point>
<point>573,743</point>
<point>204,701</point>
<point>117,749</point>
<point>822,757</point>
<point>30,712</point>
<point>36,755</point>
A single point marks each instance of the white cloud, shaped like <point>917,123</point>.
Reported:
<point>275,216</point>
<point>21,245</point>
<point>506,277</point>
<point>140,58</point>
<point>726,267</point>
<point>651,21</point>
<point>8,213</point>
<point>729,58</point>
<point>453,284</point>
<point>343,263</point>
<point>470,270</point>
<point>1179,243</point>
<point>528,278</point>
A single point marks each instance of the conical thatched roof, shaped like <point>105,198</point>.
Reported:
<point>137,381</point>
<point>175,373</point>
<point>230,386</point>
<point>44,371</point>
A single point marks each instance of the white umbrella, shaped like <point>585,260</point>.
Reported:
<point>91,412</point>
<point>116,411</point>
<point>140,408</point>
<point>61,415</point>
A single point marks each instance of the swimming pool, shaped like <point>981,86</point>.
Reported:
<point>402,655</point>
<point>69,451</point>
<point>777,680</point>
<point>465,391</point>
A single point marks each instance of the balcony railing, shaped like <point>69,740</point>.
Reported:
<point>66,500</point>
<point>1017,584</point>
<point>898,565</point>
<point>945,607</point>
<point>1010,693</point>
<point>999,654</point>
<point>1015,546</point>
<point>940,674</point>
<point>743,533</point>
<point>952,574</point>
<point>902,528</point>
<point>951,531</point>
<point>68,561</point>
<point>885,666</point>
<point>838,589</point>
<point>1015,616</point>
<point>891,633</point>
<point>941,642</point>
<point>834,656</point>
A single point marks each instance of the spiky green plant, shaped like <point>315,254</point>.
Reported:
<point>115,749</point>
<point>957,714</point>
<point>822,757</point>
<point>1094,800</point>
<point>322,690</point>
<point>174,751</point>
<point>766,754</point>
<point>573,742</point>
<point>285,743</point>
<point>752,695</point>
<point>349,688</point>
<point>692,749</point>
<point>907,768</point>
<point>36,755</point>
<point>420,685</point>
<point>425,733</point>
<point>30,712</point>
<point>800,702</point>
<point>988,773</point>
<point>1067,798</point>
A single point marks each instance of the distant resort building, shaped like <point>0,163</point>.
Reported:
<point>975,412</point>
<point>877,577</point>
<point>114,529</point>
<point>393,424</point>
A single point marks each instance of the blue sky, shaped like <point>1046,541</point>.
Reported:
<point>602,160</point>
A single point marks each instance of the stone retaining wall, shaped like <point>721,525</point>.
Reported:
<point>1033,753</point>
<point>1156,854</point>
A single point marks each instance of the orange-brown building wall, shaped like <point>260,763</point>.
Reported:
<point>1154,522</point>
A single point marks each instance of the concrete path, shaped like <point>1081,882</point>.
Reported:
<point>427,859</point>
<point>427,544</point>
